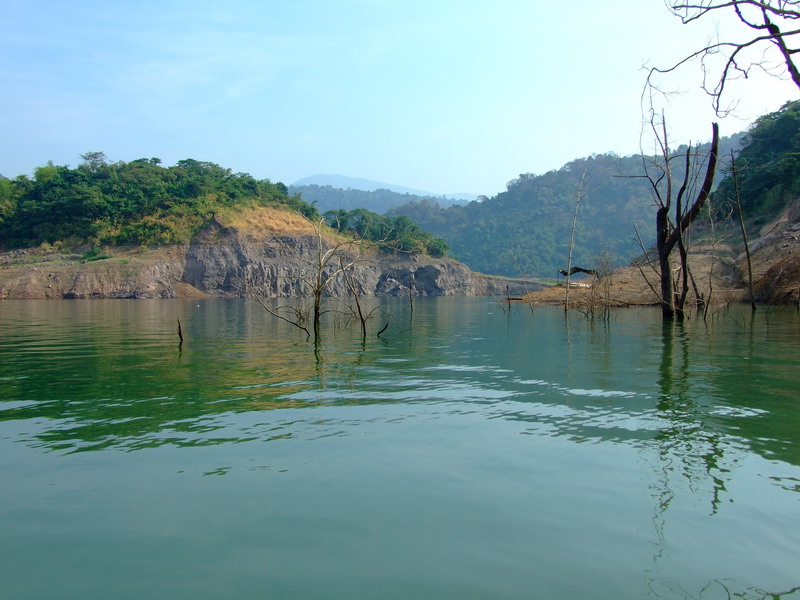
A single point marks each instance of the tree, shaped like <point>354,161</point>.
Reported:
<point>8,200</point>
<point>578,197</point>
<point>671,233</point>
<point>771,46</point>
<point>94,160</point>
<point>389,234</point>
<point>328,261</point>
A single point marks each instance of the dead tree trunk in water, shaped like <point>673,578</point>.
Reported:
<point>744,234</point>
<point>668,235</point>
<point>351,283</point>
<point>578,197</point>
<point>318,275</point>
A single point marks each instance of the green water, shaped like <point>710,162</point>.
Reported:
<point>468,453</point>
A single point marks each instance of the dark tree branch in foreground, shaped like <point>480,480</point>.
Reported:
<point>775,26</point>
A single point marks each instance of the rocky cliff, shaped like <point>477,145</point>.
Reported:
<point>223,260</point>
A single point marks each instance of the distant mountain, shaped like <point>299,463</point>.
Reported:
<point>368,185</point>
<point>334,192</point>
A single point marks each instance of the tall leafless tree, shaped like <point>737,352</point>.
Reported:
<point>578,197</point>
<point>671,227</point>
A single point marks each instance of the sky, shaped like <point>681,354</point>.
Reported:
<point>446,96</point>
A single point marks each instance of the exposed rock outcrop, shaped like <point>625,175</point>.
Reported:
<point>220,259</point>
<point>32,274</point>
<point>776,259</point>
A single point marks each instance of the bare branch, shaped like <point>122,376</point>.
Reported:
<point>773,21</point>
<point>299,316</point>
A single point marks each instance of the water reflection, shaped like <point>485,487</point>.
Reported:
<point>514,444</point>
<point>693,451</point>
<point>94,379</point>
<point>718,588</point>
<point>688,445</point>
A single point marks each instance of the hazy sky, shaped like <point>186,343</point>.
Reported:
<point>441,95</point>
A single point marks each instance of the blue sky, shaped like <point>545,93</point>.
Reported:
<point>441,95</point>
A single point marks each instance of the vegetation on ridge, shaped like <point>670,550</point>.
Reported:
<point>381,200</point>
<point>143,203</point>
<point>768,167</point>
<point>133,203</point>
<point>394,234</point>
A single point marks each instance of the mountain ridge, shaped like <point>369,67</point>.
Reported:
<point>369,185</point>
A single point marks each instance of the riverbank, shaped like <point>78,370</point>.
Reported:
<point>719,269</point>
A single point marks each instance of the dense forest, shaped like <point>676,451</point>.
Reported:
<point>143,203</point>
<point>768,167</point>
<point>134,203</point>
<point>526,229</point>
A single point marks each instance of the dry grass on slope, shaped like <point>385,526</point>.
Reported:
<point>261,223</point>
<point>263,220</point>
<point>631,286</point>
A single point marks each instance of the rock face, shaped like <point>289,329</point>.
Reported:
<point>224,261</point>
<point>776,259</point>
<point>32,274</point>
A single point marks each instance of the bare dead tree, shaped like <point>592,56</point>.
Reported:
<point>670,231</point>
<point>600,292</point>
<point>297,316</point>
<point>347,272</point>
<point>329,260</point>
<point>412,291</point>
<point>744,233</point>
<point>578,197</point>
<point>771,45</point>
<point>319,277</point>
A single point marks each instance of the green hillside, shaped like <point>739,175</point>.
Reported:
<point>768,167</point>
<point>381,200</point>
<point>525,230</point>
<point>143,203</point>
<point>134,203</point>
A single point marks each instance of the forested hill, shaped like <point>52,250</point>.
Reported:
<point>768,167</point>
<point>525,230</point>
<point>143,203</point>
<point>133,203</point>
<point>381,200</point>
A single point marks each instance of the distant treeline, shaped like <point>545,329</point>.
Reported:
<point>392,234</point>
<point>326,197</point>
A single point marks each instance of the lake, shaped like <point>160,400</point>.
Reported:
<point>467,453</point>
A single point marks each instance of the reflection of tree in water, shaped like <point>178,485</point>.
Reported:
<point>718,589</point>
<point>690,447</point>
<point>106,389</point>
<point>690,443</point>
<point>119,408</point>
